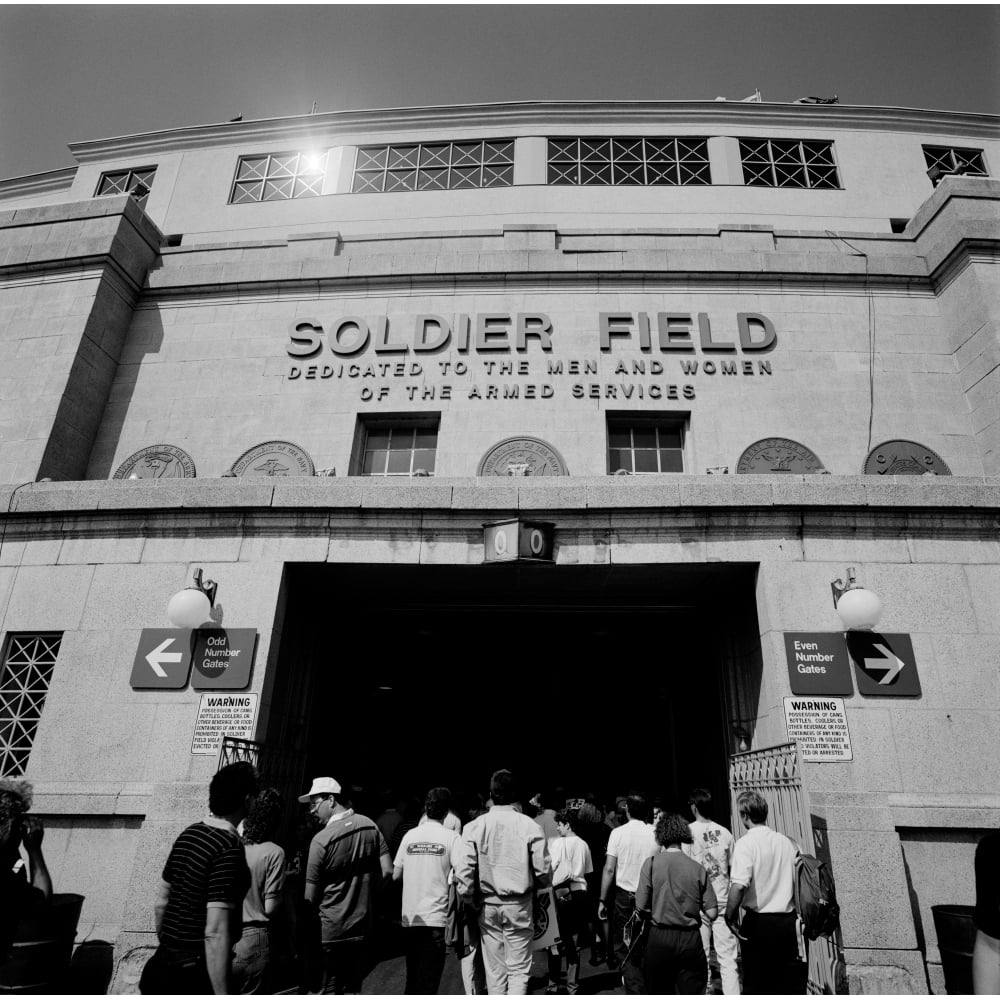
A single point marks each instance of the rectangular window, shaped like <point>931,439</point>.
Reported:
<point>24,682</point>
<point>942,160</point>
<point>435,166</point>
<point>396,446</point>
<point>642,445</point>
<point>136,182</point>
<point>278,177</point>
<point>788,163</point>
<point>624,161</point>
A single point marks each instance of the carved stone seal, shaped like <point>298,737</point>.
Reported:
<point>274,458</point>
<point>158,461</point>
<point>904,458</point>
<point>522,456</point>
<point>778,455</point>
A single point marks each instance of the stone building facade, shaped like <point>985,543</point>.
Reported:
<point>315,356</point>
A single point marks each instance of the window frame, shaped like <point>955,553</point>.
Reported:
<point>434,165</point>
<point>930,152</point>
<point>130,174</point>
<point>803,163</point>
<point>393,422</point>
<point>618,161</point>
<point>11,695</point>
<point>673,420</point>
<point>271,176</point>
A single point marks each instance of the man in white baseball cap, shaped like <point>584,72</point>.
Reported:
<point>349,862</point>
<point>321,786</point>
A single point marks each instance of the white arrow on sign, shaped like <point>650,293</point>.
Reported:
<point>880,663</point>
<point>158,656</point>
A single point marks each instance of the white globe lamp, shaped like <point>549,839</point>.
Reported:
<point>859,609</point>
<point>192,607</point>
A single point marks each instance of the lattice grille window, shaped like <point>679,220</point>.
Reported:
<point>24,683</point>
<point>788,163</point>
<point>278,177</point>
<point>625,161</point>
<point>943,160</point>
<point>644,446</point>
<point>435,166</point>
<point>136,182</point>
<point>399,448</point>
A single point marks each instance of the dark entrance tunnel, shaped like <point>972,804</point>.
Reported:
<point>585,680</point>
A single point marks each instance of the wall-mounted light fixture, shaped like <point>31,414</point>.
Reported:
<point>191,607</point>
<point>859,609</point>
<point>741,737</point>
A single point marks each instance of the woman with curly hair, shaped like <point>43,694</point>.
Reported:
<point>253,954</point>
<point>672,894</point>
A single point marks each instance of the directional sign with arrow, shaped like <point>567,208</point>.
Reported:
<point>884,664</point>
<point>163,659</point>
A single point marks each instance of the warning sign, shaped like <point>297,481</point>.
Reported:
<point>223,715</point>
<point>819,726</point>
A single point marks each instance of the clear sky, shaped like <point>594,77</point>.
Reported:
<point>73,72</point>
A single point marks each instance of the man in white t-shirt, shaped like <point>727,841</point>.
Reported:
<point>424,863</point>
<point>761,882</point>
<point>628,847</point>
<point>712,847</point>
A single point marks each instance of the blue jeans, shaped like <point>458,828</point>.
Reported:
<point>251,958</point>
<point>632,975</point>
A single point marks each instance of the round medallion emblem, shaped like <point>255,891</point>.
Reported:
<point>904,458</point>
<point>522,456</point>
<point>274,458</point>
<point>158,461</point>
<point>778,455</point>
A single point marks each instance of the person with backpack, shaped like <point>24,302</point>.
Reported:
<point>762,880</point>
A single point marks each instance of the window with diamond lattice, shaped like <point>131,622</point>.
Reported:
<point>278,177</point>
<point>624,161</point>
<point>24,683</point>
<point>136,182</point>
<point>788,163</point>
<point>943,160</point>
<point>435,166</point>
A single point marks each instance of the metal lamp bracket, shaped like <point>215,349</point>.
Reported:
<point>207,587</point>
<point>839,588</point>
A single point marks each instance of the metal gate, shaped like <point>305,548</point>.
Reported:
<point>277,769</point>
<point>776,774</point>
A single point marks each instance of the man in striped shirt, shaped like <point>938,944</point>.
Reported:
<point>200,903</point>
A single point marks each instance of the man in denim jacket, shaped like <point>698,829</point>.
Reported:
<point>503,856</point>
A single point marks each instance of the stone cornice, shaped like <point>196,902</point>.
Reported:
<point>547,116</point>
<point>34,184</point>
<point>81,507</point>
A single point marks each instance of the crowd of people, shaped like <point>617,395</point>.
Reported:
<point>652,900</point>
<point>649,893</point>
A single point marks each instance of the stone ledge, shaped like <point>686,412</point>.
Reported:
<point>843,496</point>
<point>53,798</point>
